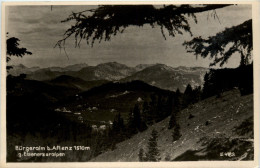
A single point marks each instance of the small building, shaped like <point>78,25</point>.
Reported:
<point>64,110</point>
<point>58,110</point>
<point>139,99</point>
<point>94,108</point>
<point>102,127</point>
<point>113,110</point>
<point>94,126</point>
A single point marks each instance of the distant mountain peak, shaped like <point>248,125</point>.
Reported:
<point>180,67</point>
<point>161,67</point>
<point>167,77</point>
<point>140,67</point>
<point>76,67</point>
<point>112,64</point>
<point>80,64</point>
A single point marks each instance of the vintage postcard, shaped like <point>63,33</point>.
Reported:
<point>130,84</point>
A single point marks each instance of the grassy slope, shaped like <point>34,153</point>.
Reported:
<point>197,141</point>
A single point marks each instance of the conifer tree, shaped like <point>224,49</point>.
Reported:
<point>146,111</point>
<point>12,49</point>
<point>206,86</point>
<point>176,133</point>
<point>167,157</point>
<point>118,128</point>
<point>141,155</point>
<point>137,117</point>
<point>153,151</point>
<point>188,96</point>
<point>196,94</point>
<point>176,109</point>
<point>109,20</point>
<point>118,123</point>
<point>236,39</point>
<point>135,121</point>
<point>172,121</point>
<point>177,100</point>
<point>131,125</point>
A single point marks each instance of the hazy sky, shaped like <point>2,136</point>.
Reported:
<point>39,28</point>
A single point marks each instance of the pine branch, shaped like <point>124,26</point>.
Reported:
<point>109,20</point>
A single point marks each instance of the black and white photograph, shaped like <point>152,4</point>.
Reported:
<point>128,82</point>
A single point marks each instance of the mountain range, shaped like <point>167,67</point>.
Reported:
<point>169,78</point>
<point>158,75</point>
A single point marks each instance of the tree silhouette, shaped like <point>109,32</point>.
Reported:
<point>137,117</point>
<point>220,80</point>
<point>177,100</point>
<point>141,155</point>
<point>224,44</point>
<point>108,20</point>
<point>118,123</point>
<point>135,121</point>
<point>176,133</point>
<point>197,93</point>
<point>153,151</point>
<point>172,121</point>
<point>12,49</point>
<point>118,128</point>
<point>176,108</point>
<point>206,86</point>
<point>167,157</point>
<point>188,96</point>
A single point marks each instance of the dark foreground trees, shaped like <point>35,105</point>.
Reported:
<point>217,81</point>
<point>224,44</point>
<point>12,49</point>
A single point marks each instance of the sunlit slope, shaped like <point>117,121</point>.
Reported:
<point>208,128</point>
